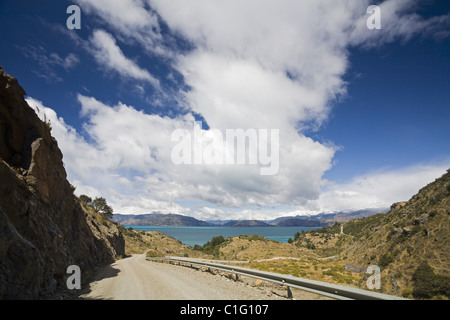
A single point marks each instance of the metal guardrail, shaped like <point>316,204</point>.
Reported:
<point>322,288</point>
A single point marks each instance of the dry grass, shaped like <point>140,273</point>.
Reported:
<point>322,270</point>
<point>159,244</point>
<point>245,248</point>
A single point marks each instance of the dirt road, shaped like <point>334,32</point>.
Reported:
<point>134,278</point>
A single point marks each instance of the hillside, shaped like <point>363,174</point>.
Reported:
<point>158,219</point>
<point>323,219</point>
<point>412,237</point>
<point>300,222</point>
<point>157,244</point>
<point>254,247</point>
<point>246,223</point>
<point>44,229</point>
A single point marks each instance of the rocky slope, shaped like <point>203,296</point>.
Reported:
<point>43,227</point>
<point>410,234</point>
<point>413,236</point>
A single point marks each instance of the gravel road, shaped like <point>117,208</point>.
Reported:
<point>134,278</point>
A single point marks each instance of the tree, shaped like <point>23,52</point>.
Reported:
<point>100,205</point>
<point>86,199</point>
<point>108,211</point>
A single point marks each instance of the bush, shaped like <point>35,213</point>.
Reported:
<point>427,284</point>
<point>386,259</point>
<point>152,254</point>
<point>407,293</point>
<point>86,199</point>
<point>256,237</point>
<point>212,247</point>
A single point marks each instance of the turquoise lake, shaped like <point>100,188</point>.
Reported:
<point>200,235</point>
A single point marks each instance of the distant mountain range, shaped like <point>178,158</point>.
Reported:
<point>158,219</point>
<point>176,220</point>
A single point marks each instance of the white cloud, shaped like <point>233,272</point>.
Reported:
<point>132,20</point>
<point>378,189</point>
<point>107,53</point>
<point>129,153</point>
<point>254,64</point>
<point>123,14</point>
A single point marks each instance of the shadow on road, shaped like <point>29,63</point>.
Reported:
<point>108,271</point>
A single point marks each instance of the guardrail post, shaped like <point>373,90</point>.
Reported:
<point>236,276</point>
<point>289,292</point>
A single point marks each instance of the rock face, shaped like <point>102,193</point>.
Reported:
<point>43,227</point>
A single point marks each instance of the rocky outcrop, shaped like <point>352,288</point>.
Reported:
<point>43,227</point>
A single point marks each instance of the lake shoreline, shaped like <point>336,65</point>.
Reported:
<point>192,236</point>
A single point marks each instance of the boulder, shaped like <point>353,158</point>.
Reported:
<point>421,219</point>
<point>407,231</point>
<point>398,205</point>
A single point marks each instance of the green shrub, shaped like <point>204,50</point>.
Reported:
<point>386,259</point>
<point>212,247</point>
<point>153,254</point>
<point>256,237</point>
<point>427,284</point>
<point>407,293</point>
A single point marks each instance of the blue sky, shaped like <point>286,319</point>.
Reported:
<point>397,111</point>
<point>363,114</point>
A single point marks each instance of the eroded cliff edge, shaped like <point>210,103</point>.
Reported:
<point>43,227</point>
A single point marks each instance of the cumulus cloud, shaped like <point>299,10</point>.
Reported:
<point>129,153</point>
<point>115,163</point>
<point>128,162</point>
<point>251,65</point>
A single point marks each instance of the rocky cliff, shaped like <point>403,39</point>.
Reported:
<point>43,227</point>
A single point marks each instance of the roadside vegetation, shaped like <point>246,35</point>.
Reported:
<point>98,208</point>
<point>99,204</point>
